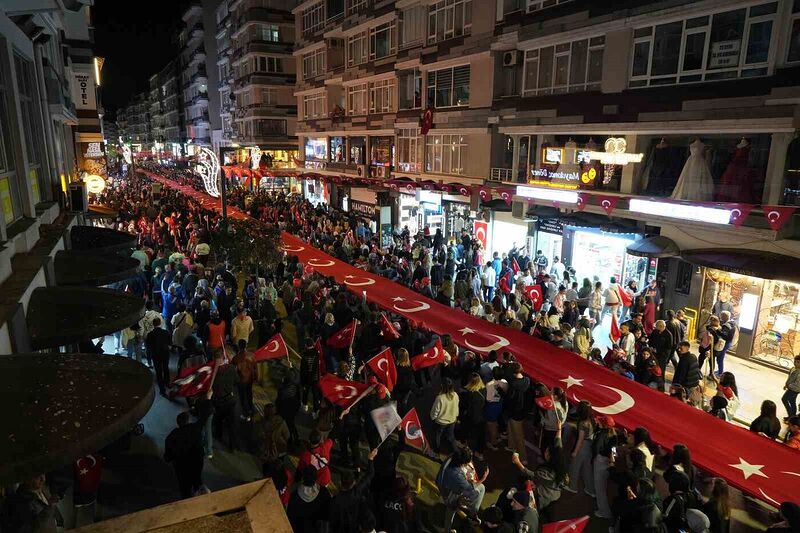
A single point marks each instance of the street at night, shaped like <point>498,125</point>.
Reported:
<point>400,266</point>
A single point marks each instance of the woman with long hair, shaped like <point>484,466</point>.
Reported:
<point>405,381</point>
<point>727,389</point>
<point>718,507</point>
<point>554,418</point>
<point>681,461</point>
<point>767,422</point>
<point>472,414</point>
<point>549,477</point>
<point>642,441</point>
<point>581,466</point>
<point>444,414</point>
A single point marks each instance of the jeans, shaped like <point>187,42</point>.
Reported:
<point>720,357</point>
<point>594,314</point>
<point>162,372</point>
<point>609,309</point>
<point>601,486</point>
<point>488,294</point>
<point>208,436</point>
<point>516,438</point>
<point>446,431</point>
<point>581,468</point>
<point>451,505</point>
<point>246,398</point>
<point>789,400</point>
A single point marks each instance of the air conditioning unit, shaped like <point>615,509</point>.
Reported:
<point>362,171</point>
<point>379,171</point>
<point>510,58</point>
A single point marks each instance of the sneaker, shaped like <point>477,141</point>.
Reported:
<point>569,489</point>
<point>210,456</point>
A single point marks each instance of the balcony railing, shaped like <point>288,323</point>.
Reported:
<point>501,174</point>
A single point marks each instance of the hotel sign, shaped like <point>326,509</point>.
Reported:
<point>83,91</point>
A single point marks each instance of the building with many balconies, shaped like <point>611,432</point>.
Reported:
<point>194,79</point>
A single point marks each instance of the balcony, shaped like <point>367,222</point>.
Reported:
<point>198,55</point>
<point>200,119</point>
<point>258,46</point>
<point>200,98</point>
<point>199,75</point>
<point>260,14</point>
<point>264,78</point>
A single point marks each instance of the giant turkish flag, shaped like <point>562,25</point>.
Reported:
<point>758,466</point>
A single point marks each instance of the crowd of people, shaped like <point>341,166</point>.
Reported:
<point>482,410</point>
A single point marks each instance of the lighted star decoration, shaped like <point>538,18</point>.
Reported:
<point>749,470</point>
<point>208,168</point>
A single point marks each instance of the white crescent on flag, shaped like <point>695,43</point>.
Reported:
<point>501,342</point>
<point>421,306</point>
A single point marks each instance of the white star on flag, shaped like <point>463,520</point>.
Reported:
<point>84,471</point>
<point>749,470</point>
<point>398,299</point>
<point>464,331</point>
<point>570,381</point>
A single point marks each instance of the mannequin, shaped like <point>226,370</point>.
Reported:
<point>695,182</point>
<point>736,182</point>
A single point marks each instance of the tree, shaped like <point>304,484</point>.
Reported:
<point>249,244</point>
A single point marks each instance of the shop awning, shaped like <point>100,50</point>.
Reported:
<point>92,270</point>
<point>96,239</point>
<point>59,407</point>
<point>601,222</point>
<point>655,246</point>
<point>58,316</point>
<point>756,263</point>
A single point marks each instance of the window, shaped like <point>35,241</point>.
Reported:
<point>381,150</point>
<point>9,192</point>
<point>314,17</point>
<point>243,100</point>
<point>267,32</point>
<point>449,18</point>
<point>381,96</point>
<point>410,83</point>
<point>31,124</point>
<point>314,106</point>
<point>268,64</point>
<point>794,36</point>
<point>338,149</point>
<point>445,154</point>
<point>269,96</point>
<point>316,148</point>
<point>724,45</point>
<point>449,87</point>
<point>566,67</point>
<point>382,41</point>
<point>536,5</point>
<point>409,151</point>
<point>357,99</point>
<point>314,63</point>
<point>353,6</point>
<point>269,127</point>
<point>358,150</point>
<point>412,26</point>
<point>357,49</point>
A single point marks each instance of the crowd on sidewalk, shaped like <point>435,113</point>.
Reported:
<point>484,410</point>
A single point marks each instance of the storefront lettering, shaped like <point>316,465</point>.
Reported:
<point>554,175</point>
<point>362,208</point>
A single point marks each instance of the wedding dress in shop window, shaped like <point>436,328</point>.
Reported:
<point>695,182</point>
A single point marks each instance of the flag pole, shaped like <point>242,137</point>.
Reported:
<point>361,397</point>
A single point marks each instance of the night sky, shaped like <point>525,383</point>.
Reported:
<point>136,39</point>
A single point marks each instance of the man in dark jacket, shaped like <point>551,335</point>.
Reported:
<point>661,341</point>
<point>346,506</point>
<point>728,333</point>
<point>675,329</point>
<point>309,505</point>
<point>157,345</point>
<point>184,449</point>
<point>224,399</point>
<point>309,374</point>
<point>687,373</point>
<point>514,409</point>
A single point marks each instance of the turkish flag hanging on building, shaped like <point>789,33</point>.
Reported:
<point>534,294</point>
<point>580,205</point>
<point>739,213</point>
<point>388,329</point>
<point>777,215</point>
<point>412,431</point>
<point>341,391</point>
<point>432,356</point>
<point>384,368</point>
<point>195,380</point>
<point>344,337</point>
<point>274,348</point>
<point>608,203</point>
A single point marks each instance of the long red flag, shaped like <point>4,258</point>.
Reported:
<point>432,356</point>
<point>344,337</point>
<point>274,348</point>
<point>384,368</point>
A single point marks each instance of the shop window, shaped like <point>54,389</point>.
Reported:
<point>316,148</point>
<point>357,99</point>
<point>793,53</point>
<point>566,67</point>
<point>449,18</point>
<point>382,41</point>
<point>381,151</point>
<point>314,106</point>
<point>31,124</point>
<point>358,150</point>
<point>411,27</point>
<point>338,149</point>
<point>9,195</point>
<point>724,45</point>
<point>314,63</point>
<point>449,87</point>
<point>734,165</point>
<point>791,176</point>
<point>314,17</point>
<point>381,96</point>
<point>536,5</point>
<point>409,150</point>
<point>410,87</point>
<point>357,49</point>
<point>445,154</point>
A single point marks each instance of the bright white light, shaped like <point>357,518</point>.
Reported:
<point>698,213</point>
<point>126,153</point>
<point>554,195</point>
<point>747,311</point>
<point>208,168</point>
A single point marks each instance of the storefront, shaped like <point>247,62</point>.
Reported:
<point>549,239</point>
<point>364,202</point>
<point>457,216</point>
<point>315,191</point>
<point>600,255</point>
<point>508,232</point>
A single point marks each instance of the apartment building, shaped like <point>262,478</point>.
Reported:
<point>194,79</point>
<point>172,107</point>
<point>137,122</point>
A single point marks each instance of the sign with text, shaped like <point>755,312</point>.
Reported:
<point>92,158</point>
<point>362,208</point>
<point>83,92</point>
<point>725,54</point>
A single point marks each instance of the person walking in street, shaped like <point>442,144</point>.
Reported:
<point>184,449</point>
<point>472,414</point>
<point>514,409</point>
<point>224,398</point>
<point>728,332</point>
<point>581,467</point>
<point>444,413</point>
<point>157,346</point>
<point>489,277</point>
<point>792,389</point>
<point>687,374</point>
<point>246,369</point>
<point>612,299</point>
<point>661,342</point>
<point>595,299</point>
<point>241,326</point>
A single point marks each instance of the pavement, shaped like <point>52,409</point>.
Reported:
<point>136,477</point>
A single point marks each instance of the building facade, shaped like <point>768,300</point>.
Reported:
<point>194,79</point>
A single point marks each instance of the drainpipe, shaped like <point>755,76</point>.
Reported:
<point>49,142</point>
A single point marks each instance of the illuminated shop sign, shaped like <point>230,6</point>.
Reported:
<point>615,153</point>
<point>555,175</point>
<point>551,194</point>
<point>698,213</point>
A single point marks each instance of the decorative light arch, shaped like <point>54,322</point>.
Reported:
<point>208,168</point>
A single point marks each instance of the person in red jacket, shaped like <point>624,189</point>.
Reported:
<point>317,455</point>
